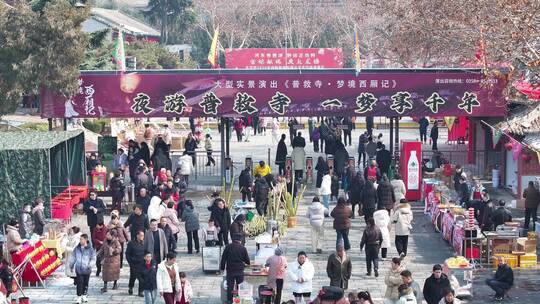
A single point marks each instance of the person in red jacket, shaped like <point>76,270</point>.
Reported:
<point>98,237</point>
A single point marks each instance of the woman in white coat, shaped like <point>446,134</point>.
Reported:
<point>156,209</point>
<point>69,242</point>
<point>399,188</point>
<point>382,220</point>
<point>301,273</point>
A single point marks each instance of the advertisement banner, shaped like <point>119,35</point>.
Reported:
<point>279,59</point>
<point>199,93</point>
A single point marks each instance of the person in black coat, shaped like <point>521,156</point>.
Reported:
<point>369,200</point>
<point>299,141</point>
<point>356,188</point>
<point>434,135</point>
<point>501,215</point>
<point>322,169</point>
<point>372,240</point>
<point>503,279</point>
<point>190,146</point>
<point>369,125</point>
<point>281,154</point>
<point>144,153</point>
<point>384,159</point>
<point>117,188</point>
<point>434,285</point>
<point>135,258</point>
<point>464,192</point>
<point>386,198</point>
<point>245,184</point>
<point>237,228</point>
<point>133,158</point>
<point>143,199</point>
<point>423,124</point>
<point>221,216</point>
<point>234,259</point>
<point>160,157</point>
<point>147,276</point>
<point>94,209</point>
<point>261,194</point>
<point>169,236</point>
<point>136,221</point>
<point>341,157</point>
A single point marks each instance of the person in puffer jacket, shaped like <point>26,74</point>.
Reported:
<point>406,295</point>
<point>316,213</point>
<point>402,218</point>
<point>382,220</point>
<point>326,189</point>
<point>385,195</point>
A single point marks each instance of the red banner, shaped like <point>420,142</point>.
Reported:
<point>284,58</point>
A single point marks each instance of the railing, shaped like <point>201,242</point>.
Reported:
<point>484,161</point>
<point>200,167</point>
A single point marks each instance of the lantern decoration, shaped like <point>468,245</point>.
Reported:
<point>526,157</point>
<point>508,146</point>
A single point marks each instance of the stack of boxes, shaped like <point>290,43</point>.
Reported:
<point>528,246</point>
<point>518,253</point>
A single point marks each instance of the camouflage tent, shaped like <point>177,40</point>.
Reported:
<point>38,164</point>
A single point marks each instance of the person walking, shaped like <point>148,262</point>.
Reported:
<point>362,141</point>
<point>434,135</point>
<point>369,125</point>
<point>339,268</point>
<point>169,237</point>
<point>435,284</point>
<point>136,221</point>
<point>371,149</point>
<point>371,239</point>
<point>423,124</point>
<point>155,241</point>
<point>80,262</point>
<point>301,274</point>
<point>185,164</point>
<point>167,278</point>
<point>342,214</point>
<point>208,148</point>
<point>117,188</point>
<point>382,221</point>
<point>69,243</point>
<point>94,208</point>
<point>26,221</point>
<point>384,159</point>
<point>402,218</point>
<point>355,194</point>
<point>298,156</point>
<point>316,136</point>
<point>147,279</point>
<point>393,280</point>
<point>99,236</point>
<point>185,292</point>
<point>532,199</point>
<point>110,251</point>
<point>135,257</point>
<point>407,278</point>
<point>262,169</point>
<point>222,219</point>
<point>191,219</point>
<point>399,188</point>
<point>372,172</point>
<point>322,168</point>
<point>503,279</point>
<point>239,129</point>
<point>237,228</point>
<point>39,218</point>
<point>277,268</point>
<point>326,189</point>
<point>260,193</point>
<point>245,184</point>
<point>234,259</point>
<point>121,233</point>
<point>190,146</point>
<point>369,200</point>
<point>316,214</point>
<point>171,217</point>
<point>385,195</point>
<point>406,295</point>
<point>281,154</point>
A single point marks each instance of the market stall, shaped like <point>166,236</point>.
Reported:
<point>36,262</point>
<point>46,163</point>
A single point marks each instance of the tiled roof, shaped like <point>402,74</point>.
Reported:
<point>116,19</point>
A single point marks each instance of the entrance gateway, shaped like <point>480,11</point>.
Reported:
<point>273,93</point>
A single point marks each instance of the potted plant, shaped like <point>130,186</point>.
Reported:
<point>291,206</point>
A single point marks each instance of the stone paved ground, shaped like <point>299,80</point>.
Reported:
<point>426,249</point>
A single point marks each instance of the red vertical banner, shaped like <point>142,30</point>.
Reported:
<point>411,168</point>
<point>288,168</point>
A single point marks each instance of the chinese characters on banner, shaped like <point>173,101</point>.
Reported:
<point>279,59</point>
<point>230,93</point>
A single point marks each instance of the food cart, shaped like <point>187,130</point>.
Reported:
<point>460,273</point>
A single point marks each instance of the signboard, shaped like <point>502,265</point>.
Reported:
<point>266,58</point>
<point>387,93</point>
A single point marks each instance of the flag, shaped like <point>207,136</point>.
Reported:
<point>516,149</point>
<point>213,54</point>
<point>449,120</point>
<point>356,51</point>
<point>496,136</point>
<point>119,55</point>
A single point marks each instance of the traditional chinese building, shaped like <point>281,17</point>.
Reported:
<point>113,20</point>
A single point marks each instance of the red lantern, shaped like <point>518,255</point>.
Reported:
<point>526,157</point>
<point>508,146</point>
